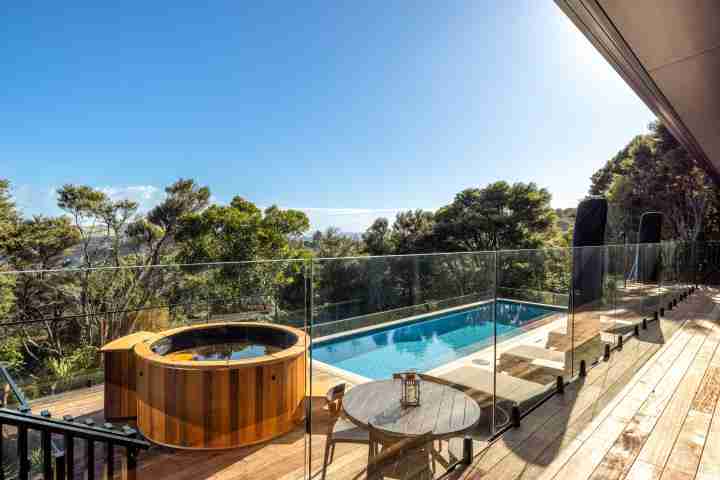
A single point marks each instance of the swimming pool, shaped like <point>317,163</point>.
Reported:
<point>428,343</point>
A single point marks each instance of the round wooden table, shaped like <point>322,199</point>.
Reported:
<point>445,410</point>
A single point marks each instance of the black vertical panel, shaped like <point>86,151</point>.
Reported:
<point>110,460</point>
<point>23,452</point>
<point>588,254</point>
<point>45,441</point>
<point>70,455</point>
<point>647,260</point>
<point>60,468</point>
<point>90,459</point>
<point>131,462</point>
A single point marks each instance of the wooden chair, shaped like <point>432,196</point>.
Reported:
<point>401,458</point>
<point>340,430</point>
<point>436,452</point>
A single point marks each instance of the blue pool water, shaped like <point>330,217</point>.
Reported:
<point>425,344</point>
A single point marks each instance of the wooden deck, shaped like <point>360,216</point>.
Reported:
<point>650,412</point>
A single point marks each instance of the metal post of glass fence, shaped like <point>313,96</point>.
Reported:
<point>560,385</point>
<point>494,369</point>
<point>515,415</point>
<point>310,321</point>
<point>467,450</point>
<point>2,449</point>
<point>583,368</point>
<point>624,260</point>
<point>606,355</point>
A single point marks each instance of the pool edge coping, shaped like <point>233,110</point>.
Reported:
<point>425,316</point>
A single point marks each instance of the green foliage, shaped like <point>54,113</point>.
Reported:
<point>85,357</point>
<point>8,215</point>
<point>61,368</point>
<point>183,228</point>
<point>7,293</point>
<point>41,242</point>
<point>64,369</point>
<point>184,197</point>
<point>377,238</point>
<point>240,232</point>
<point>655,173</point>
<point>11,353</point>
<point>412,232</point>
<point>499,216</point>
<point>338,279</point>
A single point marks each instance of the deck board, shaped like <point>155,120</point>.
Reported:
<point>674,392</point>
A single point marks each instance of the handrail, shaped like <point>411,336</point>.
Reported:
<point>4,374</point>
<point>69,429</point>
<point>124,437</point>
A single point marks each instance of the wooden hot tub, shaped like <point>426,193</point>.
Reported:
<point>219,386</point>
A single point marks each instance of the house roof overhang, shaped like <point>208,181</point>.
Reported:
<point>669,53</point>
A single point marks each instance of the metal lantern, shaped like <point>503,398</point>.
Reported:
<point>410,389</point>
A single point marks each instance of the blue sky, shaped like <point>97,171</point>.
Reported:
<point>347,110</point>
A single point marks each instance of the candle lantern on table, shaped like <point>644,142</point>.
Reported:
<point>410,384</point>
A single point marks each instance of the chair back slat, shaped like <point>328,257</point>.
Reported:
<point>395,448</point>
<point>334,398</point>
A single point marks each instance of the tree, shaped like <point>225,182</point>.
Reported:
<point>106,227</point>
<point>99,232</point>
<point>412,232</point>
<point>8,214</point>
<point>342,276</point>
<point>377,238</point>
<point>654,172</point>
<point>9,219</point>
<point>244,235</point>
<point>41,243</point>
<point>240,232</point>
<point>499,216</point>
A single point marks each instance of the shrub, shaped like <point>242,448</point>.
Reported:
<point>11,354</point>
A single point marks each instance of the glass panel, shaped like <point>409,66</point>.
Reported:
<point>649,273</point>
<point>374,317</point>
<point>594,302</point>
<point>58,322</point>
<point>533,329</point>
<point>497,326</point>
<point>668,275</point>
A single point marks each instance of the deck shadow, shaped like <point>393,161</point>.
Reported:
<point>561,420</point>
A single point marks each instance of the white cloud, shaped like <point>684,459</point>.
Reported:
<point>351,211</point>
<point>347,219</point>
<point>31,200</point>
<point>147,196</point>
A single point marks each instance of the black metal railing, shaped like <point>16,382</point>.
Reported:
<point>61,463</point>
